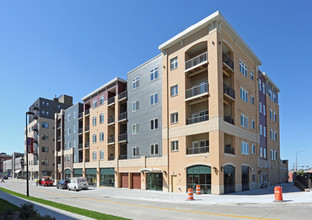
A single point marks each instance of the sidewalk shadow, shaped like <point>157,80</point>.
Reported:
<point>41,209</point>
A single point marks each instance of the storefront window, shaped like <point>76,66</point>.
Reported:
<point>199,175</point>
<point>107,177</point>
<point>91,176</point>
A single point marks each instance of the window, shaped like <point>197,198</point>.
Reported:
<point>274,98</point>
<point>264,153</point>
<point>42,113</point>
<point>102,100</point>
<point>243,68</point>
<point>274,116</point>
<point>272,155</point>
<point>154,99</point>
<point>69,131</point>
<point>94,138</point>
<point>244,121</point>
<point>101,155</point>
<point>174,63</point>
<point>154,124</point>
<point>252,99</point>
<point>260,129</point>
<point>101,118</point>
<point>244,148</point>
<point>263,88</point>
<point>94,103</point>
<point>69,117</point>
<point>68,158</point>
<point>263,109</point>
<point>259,84</point>
<point>174,90</point>
<point>47,114</point>
<point>42,103</point>
<point>135,128</point>
<point>251,75</point>
<point>275,155</point>
<point>270,94</point>
<point>94,155</point>
<point>252,124</point>
<point>45,124</point>
<point>261,152</point>
<point>271,134</point>
<point>253,149</point>
<point>59,107</point>
<point>45,162</point>
<point>135,152</point>
<point>154,149</point>
<point>264,131</point>
<point>275,136</point>
<point>174,118</point>
<point>47,104</point>
<point>244,95</point>
<point>101,136</point>
<point>94,121</point>
<point>135,83</point>
<point>45,149</point>
<point>135,106</point>
<point>154,74</point>
<point>271,114</point>
<point>260,107</point>
<point>174,145</point>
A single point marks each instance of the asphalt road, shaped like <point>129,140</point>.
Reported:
<point>95,200</point>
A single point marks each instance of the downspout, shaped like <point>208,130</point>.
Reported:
<point>167,97</point>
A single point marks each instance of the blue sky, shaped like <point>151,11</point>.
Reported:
<point>72,47</point>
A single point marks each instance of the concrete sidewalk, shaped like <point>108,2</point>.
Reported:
<point>42,209</point>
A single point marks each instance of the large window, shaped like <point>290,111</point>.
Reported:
<point>135,106</point>
<point>135,128</point>
<point>244,121</point>
<point>154,124</point>
<point>91,176</point>
<point>244,148</point>
<point>107,177</point>
<point>135,82</point>
<point>154,74</point>
<point>243,95</point>
<point>154,149</point>
<point>154,99</point>
<point>174,63</point>
<point>199,175</point>
<point>243,68</point>
<point>174,90</point>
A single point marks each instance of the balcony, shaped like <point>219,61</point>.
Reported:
<point>229,119</point>
<point>80,160</point>
<point>122,116</point>
<point>123,157</point>
<point>80,115</point>
<point>111,140</point>
<point>87,144</point>
<point>111,158</point>
<point>111,101</point>
<point>111,120</point>
<point>122,137</point>
<point>87,128</point>
<point>80,131</point>
<point>229,64</point>
<point>79,146</point>
<point>229,92</point>
<point>58,138</point>
<point>198,150</point>
<point>197,92</point>
<point>87,111</point>
<point>58,125</point>
<point>197,63</point>
<point>228,149</point>
<point>197,119</point>
<point>122,96</point>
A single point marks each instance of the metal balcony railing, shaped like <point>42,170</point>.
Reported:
<point>227,60</point>
<point>229,119</point>
<point>229,149</point>
<point>87,144</point>
<point>87,111</point>
<point>87,128</point>
<point>122,116</point>
<point>111,139</point>
<point>202,58</point>
<point>111,158</point>
<point>229,91</point>
<point>122,95</point>
<point>197,119</point>
<point>58,125</point>
<point>80,115</point>
<point>111,100</point>
<point>79,146</point>
<point>58,138</point>
<point>122,157</point>
<point>197,90</point>
<point>122,137</point>
<point>198,150</point>
<point>111,119</point>
<point>79,130</point>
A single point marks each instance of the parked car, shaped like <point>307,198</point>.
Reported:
<point>78,183</point>
<point>5,177</point>
<point>46,181</point>
<point>62,184</point>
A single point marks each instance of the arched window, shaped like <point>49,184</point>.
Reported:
<point>94,121</point>
<point>94,155</point>
<point>94,138</point>
<point>101,136</point>
<point>229,179</point>
<point>101,155</point>
<point>101,118</point>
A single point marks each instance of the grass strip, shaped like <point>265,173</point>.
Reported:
<point>79,211</point>
<point>6,206</point>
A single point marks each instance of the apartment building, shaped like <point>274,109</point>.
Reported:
<point>42,129</point>
<point>3,157</point>
<point>11,166</point>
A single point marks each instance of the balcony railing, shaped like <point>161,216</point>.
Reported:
<point>122,157</point>
<point>80,160</point>
<point>111,158</point>
<point>79,146</point>
<point>122,137</point>
<point>79,130</point>
<point>111,140</point>
<point>111,100</point>
<point>80,115</point>
<point>197,119</point>
<point>87,144</point>
<point>58,125</point>
<point>122,95</point>
<point>87,111</point>
<point>202,58</point>
<point>197,90</point>
<point>229,149</point>
<point>198,150</point>
<point>228,61</point>
<point>87,128</point>
<point>122,116</point>
<point>58,138</point>
<point>229,119</point>
<point>111,119</point>
<point>229,91</point>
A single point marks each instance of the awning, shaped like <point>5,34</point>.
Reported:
<point>17,171</point>
<point>151,170</point>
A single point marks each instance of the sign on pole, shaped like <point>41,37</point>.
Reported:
<point>30,145</point>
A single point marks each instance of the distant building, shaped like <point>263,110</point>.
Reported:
<point>3,157</point>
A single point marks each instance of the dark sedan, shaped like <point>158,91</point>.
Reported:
<point>62,184</point>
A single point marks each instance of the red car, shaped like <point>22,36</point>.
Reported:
<point>46,181</point>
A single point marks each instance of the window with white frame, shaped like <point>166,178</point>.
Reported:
<point>263,109</point>
<point>102,100</point>
<point>260,129</point>
<point>94,103</point>
<point>259,84</point>
<point>94,121</point>
<point>101,155</point>
<point>243,95</point>
<point>154,124</point>
<point>101,136</point>
<point>252,124</point>
<point>243,68</point>
<point>154,149</point>
<point>174,63</point>
<point>135,152</point>
<point>261,152</point>
<point>264,131</point>
<point>135,128</point>
<point>174,90</point>
<point>263,88</point>
<point>154,99</point>
<point>253,149</point>
<point>260,107</point>
<point>264,153</point>
<point>244,121</point>
<point>252,99</point>
<point>154,74</point>
<point>244,148</point>
<point>174,117</point>
<point>94,138</point>
<point>135,82</point>
<point>251,75</point>
<point>135,106</point>
<point>174,145</point>
<point>101,118</point>
<point>94,155</point>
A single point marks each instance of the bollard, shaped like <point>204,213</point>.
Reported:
<point>278,196</point>
<point>198,190</point>
<point>190,194</point>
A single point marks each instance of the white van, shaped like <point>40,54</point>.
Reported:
<point>78,183</point>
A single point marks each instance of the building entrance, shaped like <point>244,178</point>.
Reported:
<point>154,181</point>
<point>199,175</point>
<point>229,179</point>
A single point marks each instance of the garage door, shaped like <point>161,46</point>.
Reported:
<point>124,180</point>
<point>136,181</point>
